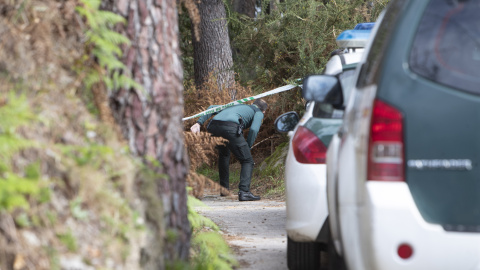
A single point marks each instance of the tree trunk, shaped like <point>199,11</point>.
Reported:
<point>245,7</point>
<point>212,53</point>
<point>150,119</point>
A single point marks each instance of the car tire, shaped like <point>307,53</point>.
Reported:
<point>335,261</point>
<point>303,255</point>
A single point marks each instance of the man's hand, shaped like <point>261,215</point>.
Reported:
<point>195,128</point>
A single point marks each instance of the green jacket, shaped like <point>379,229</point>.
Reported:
<point>252,118</point>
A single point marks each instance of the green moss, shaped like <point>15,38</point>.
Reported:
<point>52,217</point>
<point>210,250</point>
<point>197,221</point>
<point>77,211</point>
<point>92,154</point>
<point>54,259</point>
<point>172,236</point>
<point>274,165</point>
<point>23,220</point>
<point>69,241</point>
<point>148,191</point>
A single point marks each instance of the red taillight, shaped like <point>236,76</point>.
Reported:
<point>404,251</point>
<point>307,147</point>
<point>385,147</point>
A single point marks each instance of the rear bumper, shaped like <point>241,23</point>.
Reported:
<point>390,218</point>
<point>306,202</point>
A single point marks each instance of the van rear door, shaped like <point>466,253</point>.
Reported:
<point>439,97</point>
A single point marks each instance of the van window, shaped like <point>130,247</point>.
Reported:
<point>370,70</point>
<point>446,48</point>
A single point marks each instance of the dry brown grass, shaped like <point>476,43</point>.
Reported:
<point>39,42</point>
<point>201,150</point>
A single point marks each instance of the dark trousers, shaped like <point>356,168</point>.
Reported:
<point>240,149</point>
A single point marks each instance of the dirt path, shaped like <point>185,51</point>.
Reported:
<point>254,230</point>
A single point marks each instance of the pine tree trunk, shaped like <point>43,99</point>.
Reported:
<point>151,121</point>
<point>212,53</point>
<point>245,7</point>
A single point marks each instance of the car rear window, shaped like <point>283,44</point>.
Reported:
<point>446,48</point>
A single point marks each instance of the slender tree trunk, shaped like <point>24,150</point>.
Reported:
<point>245,7</point>
<point>150,119</point>
<point>212,53</point>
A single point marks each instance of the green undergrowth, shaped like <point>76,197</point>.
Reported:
<point>90,175</point>
<point>17,188</point>
<point>269,175</point>
<point>104,48</point>
<point>209,249</point>
<point>96,179</point>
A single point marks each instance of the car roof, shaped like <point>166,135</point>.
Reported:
<point>338,63</point>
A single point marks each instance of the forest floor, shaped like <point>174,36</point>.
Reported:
<point>255,231</point>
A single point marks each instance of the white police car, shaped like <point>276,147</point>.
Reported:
<point>305,168</point>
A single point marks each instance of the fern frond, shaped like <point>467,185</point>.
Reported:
<point>92,4</point>
<point>103,46</point>
<point>9,145</point>
<point>115,38</point>
<point>106,47</point>
<point>91,20</point>
<point>13,187</point>
<point>109,82</point>
<point>109,17</point>
<point>91,79</point>
<point>13,190</point>
<point>128,82</point>
<point>81,10</point>
<point>110,62</point>
<point>15,113</point>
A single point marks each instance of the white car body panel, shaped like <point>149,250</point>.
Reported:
<point>303,185</point>
<point>334,158</point>
<point>304,223</point>
<point>306,184</point>
<point>391,207</point>
<point>332,173</point>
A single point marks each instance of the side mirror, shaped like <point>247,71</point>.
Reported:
<point>286,122</point>
<point>308,104</point>
<point>324,89</point>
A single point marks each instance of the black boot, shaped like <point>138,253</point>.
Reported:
<point>247,196</point>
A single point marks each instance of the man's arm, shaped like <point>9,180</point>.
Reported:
<point>254,128</point>
<point>204,118</point>
<point>196,127</point>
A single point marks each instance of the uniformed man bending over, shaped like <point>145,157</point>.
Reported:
<point>229,124</point>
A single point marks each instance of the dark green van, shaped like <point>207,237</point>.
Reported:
<point>406,181</point>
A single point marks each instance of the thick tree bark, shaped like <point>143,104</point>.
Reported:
<point>212,53</point>
<point>150,119</point>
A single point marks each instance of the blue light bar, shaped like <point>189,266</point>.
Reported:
<point>356,38</point>
<point>364,26</point>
